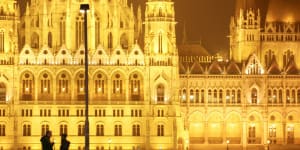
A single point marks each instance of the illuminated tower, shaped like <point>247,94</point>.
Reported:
<point>162,66</point>
<point>245,31</point>
<point>8,30</point>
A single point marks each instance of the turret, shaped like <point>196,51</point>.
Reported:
<point>245,32</point>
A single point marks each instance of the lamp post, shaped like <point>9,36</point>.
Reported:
<point>84,9</point>
<point>227,142</point>
<point>268,142</point>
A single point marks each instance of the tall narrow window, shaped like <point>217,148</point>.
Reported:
<point>99,84</point>
<point>63,129</point>
<point>1,41</point>
<point>45,128</point>
<point>197,96</point>
<point>272,132</point>
<point>80,86</point>
<point>81,130</point>
<point>2,92</point>
<point>45,84</point>
<point>2,130</point>
<point>79,30</point>
<point>110,40</point>
<point>50,40</point>
<point>135,87</point>
<point>62,27</point>
<point>136,130</point>
<point>220,96</point>
<point>160,49</point>
<point>118,130</point>
<point>239,96</point>
<point>251,134</point>
<point>26,130</point>
<point>97,31</point>
<point>100,130</point>
<point>63,84</point>
<point>209,96</point>
<point>160,93</point>
<point>160,130</point>
<point>117,84</point>
<point>254,96</point>
<point>27,86</point>
<point>290,135</point>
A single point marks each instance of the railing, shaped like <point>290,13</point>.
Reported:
<point>254,140</point>
<point>215,140</point>
<point>197,140</point>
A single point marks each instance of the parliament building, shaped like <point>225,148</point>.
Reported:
<point>146,91</point>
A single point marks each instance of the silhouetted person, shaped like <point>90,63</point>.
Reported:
<point>64,142</point>
<point>46,143</point>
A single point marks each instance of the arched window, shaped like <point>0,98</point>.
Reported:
<point>160,93</point>
<point>100,130</point>
<point>209,96</point>
<point>2,92</point>
<point>239,96</point>
<point>136,131</point>
<point>220,96</point>
<point>254,96</point>
<point>233,96</point>
<point>26,130</point>
<point>228,96</point>
<point>280,96</point>
<point>80,86</point>
<point>27,86</point>
<point>287,57</point>
<point>118,130</point>
<point>160,130</point>
<point>274,97</point>
<point>202,96</point>
<point>45,83</point>
<point>215,98</point>
<point>79,30</point>
<point>44,129</point>
<point>99,84</point>
<point>63,83</point>
<point>63,129</point>
<point>117,84</point>
<point>80,130</point>
<point>135,87</point>
<point>2,130</point>
<point>192,97</point>
<point>197,97</point>
<point>288,96</point>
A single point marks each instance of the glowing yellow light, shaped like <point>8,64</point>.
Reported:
<point>26,89</point>
<point>99,89</point>
<point>45,89</point>
<point>63,89</point>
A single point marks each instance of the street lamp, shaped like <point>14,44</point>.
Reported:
<point>109,141</point>
<point>84,9</point>
<point>268,142</point>
<point>227,142</point>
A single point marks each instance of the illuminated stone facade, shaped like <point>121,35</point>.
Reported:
<point>143,97</point>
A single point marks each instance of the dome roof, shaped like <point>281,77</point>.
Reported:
<point>283,11</point>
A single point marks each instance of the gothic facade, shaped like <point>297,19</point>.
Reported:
<point>150,97</point>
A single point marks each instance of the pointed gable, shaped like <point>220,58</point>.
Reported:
<point>118,56</point>
<point>254,66</point>
<point>45,56</point>
<point>291,68</point>
<point>182,69</point>
<point>233,68</point>
<point>63,56</point>
<point>197,68</point>
<point>215,68</point>
<point>79,55</point>
<point>274,68</point>
<point>27,56</point>
<point>136,56</point>
<point>100,56</point>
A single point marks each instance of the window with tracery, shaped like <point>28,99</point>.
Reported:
<point>45,83</point>
<point>117,84</point>
<point>118,130</point>
<point>80,130</point>
<point>45,128</point>
<point>136,131</point>
<point>254,96</point>
<point>135,86</point>
<point>100,130</point>
<point>287,57</point>
<point>99,84</point>
<point>63,83</point>
<point>160,130</point>
<point>160,93</point>
<point>63,129</point>
<point>27,86</point>
<point>79,30</point>
<point>26,130</point>
<point>62,29</point>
